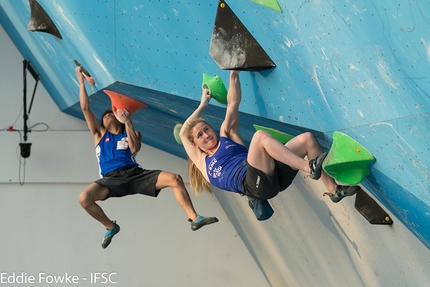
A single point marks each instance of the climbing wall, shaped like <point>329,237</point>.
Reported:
<point>358,67</point>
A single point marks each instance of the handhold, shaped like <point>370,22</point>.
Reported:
<point>272,4</point>
<point>121,102</point>
<point>40,21</point>
<point>176,131</point>
<point>347,161</point>
<point>216,87</point>
<point>232,46</point>
<point>85,73</point>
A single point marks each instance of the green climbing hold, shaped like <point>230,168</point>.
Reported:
<point>176,131</point>
<point>279,136</point>
<point>272,4</point>
<point>347,161</point>
<point>216,87</point>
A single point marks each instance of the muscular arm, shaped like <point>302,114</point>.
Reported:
<point>230,126</point>
<point>95,129</point>
<point>134,137</point>
<point>193,152</point>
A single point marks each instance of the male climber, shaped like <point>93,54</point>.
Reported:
<point>117,143</point>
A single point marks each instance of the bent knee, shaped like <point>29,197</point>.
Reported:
<point>261,135</point>
<point>92,194</point>
<point>84,200</point>
<point>177,179</point>
<point>309,137</point>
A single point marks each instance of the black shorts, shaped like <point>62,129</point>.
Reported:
<point>257,184</point>
<point>134,180</point>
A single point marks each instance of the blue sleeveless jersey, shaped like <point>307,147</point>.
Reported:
<point>226,167</point>
<point>113,153</point>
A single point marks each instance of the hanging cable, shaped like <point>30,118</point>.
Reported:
<point>26,147</point>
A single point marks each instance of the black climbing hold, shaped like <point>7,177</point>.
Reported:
<point>233,47</point>
<point>371,210</point>
<point>40,21</point>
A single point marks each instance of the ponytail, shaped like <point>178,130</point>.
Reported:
<point>197,180</point>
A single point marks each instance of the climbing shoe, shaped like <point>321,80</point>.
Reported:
<point>109,235</point>
<point>202,221</point>
<point>316,166</point>
<point>344,191</point>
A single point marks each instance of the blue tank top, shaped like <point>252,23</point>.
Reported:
<point>114,153</point>
<point>226,167</point>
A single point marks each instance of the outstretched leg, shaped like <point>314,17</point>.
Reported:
<point>167,179</point>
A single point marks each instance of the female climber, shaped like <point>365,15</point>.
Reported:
<point>261,171</point>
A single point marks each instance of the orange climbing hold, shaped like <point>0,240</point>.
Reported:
<point>121,102</point>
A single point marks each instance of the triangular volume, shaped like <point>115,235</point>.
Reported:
<point>233,47</point>
<point>371,210</point>
<point>40,21</point>
<point>121,102</point>
<point>272,4</point>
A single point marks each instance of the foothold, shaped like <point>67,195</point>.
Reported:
<point>176,131</point>
<point>371,210</point>
<point>347,160</point>
<point>216,87</point>
<point>121,102</point>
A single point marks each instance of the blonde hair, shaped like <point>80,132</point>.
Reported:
<point>197,181</point>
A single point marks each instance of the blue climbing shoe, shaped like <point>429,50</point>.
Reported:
<point>202,221</point>
<point>109,235</point>
<point>316,166</point>
<point>343,191</point>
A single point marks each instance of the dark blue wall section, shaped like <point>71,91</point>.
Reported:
<point>359,67</point>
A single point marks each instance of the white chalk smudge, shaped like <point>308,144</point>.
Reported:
<point>399,136</point>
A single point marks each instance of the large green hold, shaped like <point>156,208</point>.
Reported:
<point>176,130</point>
<point>347,161</point>
<point>216,88</point>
